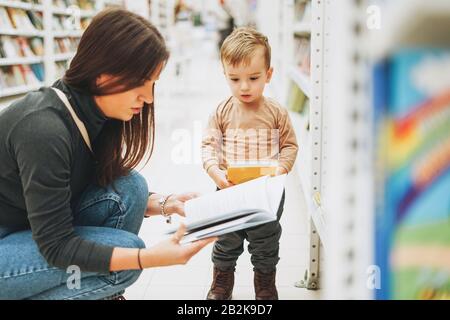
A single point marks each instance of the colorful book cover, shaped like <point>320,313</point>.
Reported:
<point>414,220</point>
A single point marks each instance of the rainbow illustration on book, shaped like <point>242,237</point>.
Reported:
<point>415,217</point>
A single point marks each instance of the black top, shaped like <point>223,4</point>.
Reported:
<point>45,165</point>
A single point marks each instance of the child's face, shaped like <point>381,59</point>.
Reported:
<point>247,82</point>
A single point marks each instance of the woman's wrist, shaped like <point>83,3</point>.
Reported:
<point>153,206</point>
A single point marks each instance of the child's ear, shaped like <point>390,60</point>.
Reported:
<point>269,74</point>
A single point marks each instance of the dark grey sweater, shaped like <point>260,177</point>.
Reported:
<point>45,166</point>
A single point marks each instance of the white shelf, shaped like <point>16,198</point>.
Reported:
<point>63,56</point>
<point>302,28</point>
<point>69,12</point>
<point>20,60</point>
<point>304,166</point>
<point>24,33</point>
<point>303,169</point>
<point>68,34</point>
<point>19,90</point>
<point>22,5</point>
<point>409,23</point>
<point>302,80</point>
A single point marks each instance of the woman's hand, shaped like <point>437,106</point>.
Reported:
<point>175,203</point>
<point>170,252</point>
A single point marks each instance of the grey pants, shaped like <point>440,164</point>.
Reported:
<point>263,245</point>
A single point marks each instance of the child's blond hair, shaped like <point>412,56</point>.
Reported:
<point>240,46</point>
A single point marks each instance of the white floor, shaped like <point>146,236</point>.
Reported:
<point>183,105</point>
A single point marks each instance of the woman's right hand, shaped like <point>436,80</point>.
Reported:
<point>170,252</point>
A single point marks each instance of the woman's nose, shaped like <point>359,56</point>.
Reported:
<point>147,96</point>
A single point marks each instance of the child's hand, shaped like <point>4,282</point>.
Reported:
<point>220,177</point>
<point>280,171</point>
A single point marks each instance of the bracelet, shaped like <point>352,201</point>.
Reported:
<point>139,259</point>
<point>162,203</point>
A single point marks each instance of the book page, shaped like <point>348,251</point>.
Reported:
<point>275,187</point>
<point>238,224</point>
<point>247,197</point>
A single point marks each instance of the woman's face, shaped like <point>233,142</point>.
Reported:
<point>123,106</point>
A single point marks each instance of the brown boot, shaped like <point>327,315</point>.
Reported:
<point>265,288</point>
<point>222,286</point>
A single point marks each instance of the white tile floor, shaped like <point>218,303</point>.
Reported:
<point>182,104</point>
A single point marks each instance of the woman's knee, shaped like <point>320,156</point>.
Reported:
<point>110,236</point>
<point>126,278</point>
<point>134,185</point>
<point>132,241</point>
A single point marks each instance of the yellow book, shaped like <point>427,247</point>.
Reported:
<point>242,172</point>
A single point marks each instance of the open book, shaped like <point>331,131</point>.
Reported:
<point>239,207</point>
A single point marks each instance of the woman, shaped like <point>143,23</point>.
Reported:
<point>65,208</point>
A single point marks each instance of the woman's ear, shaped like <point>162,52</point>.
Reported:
<point>269,74</point>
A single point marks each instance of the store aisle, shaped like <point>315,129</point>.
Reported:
<point>182,107</point>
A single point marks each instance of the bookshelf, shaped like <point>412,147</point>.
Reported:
<point>21,46</point>
<point>295,32</point>
<point>162,15</point>
<point>41,37</point>
<point>343,154</point>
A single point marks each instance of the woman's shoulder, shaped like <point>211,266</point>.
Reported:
<point>39,112</point>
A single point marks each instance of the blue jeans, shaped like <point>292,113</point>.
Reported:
<point>102,215</point>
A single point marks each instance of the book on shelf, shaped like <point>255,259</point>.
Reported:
<point>297,99</point>
<point>28,75</point>
<point>8,48</point>
<point>21,75</point>
<point>60,68</point>
<point>2,50</point>
<point>14,47</point>
<point>36,19</point>
<point>20,20</point>
<point>24,47</point>
<point>302,11</point>
<point>302,56</point>
<point>38,70</point>
<point>236,208</point>
<point>5,22</point>
<point>86,4</point>
<point>37,45</point>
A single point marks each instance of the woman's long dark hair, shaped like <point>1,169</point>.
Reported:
<point>128,47</point>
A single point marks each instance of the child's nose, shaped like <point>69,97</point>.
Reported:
<point>244,85</point>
